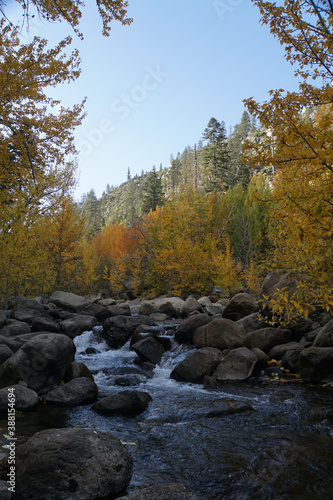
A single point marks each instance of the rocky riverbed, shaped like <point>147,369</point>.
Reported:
<point>187,362</point>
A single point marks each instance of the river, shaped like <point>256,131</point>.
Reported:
<point>279,450</point>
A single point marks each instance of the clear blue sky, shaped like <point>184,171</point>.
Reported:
<point>153,86</point>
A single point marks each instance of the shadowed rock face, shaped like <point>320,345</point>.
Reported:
<point>164,492</point>
<point>72,464</point>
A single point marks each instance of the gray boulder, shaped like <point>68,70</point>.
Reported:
<point>41,362</point>
<point>120,310</point>
<point>176,302</point>
<point>44,324</point>
<point>279,351</point>
<point>163,492</point>
<point>290,360</point>
<point>76,370</point>
<point>5,353</point>
<point>100,312</point>
<point>222,334</point>
<point>267,338</point>
<point>21,313</point>
<point>129,402</point>
<point>118,330</point>
<point>325,336</point>
<point>185,331</point>
<point>276,281</point>
<point>146,308</point>
<point>78,391</point>
<point>72,464</point>
<point>68,301</point>
<point>241,305</point>
<point>197,365</point>
<point>252,322</point>
<point>190,306</point>
<point>78,324</point>
<point>316,364</point>
<point>149,349</point>
<point>237,365</point>
<point>15,328</point>
<point>25,398</point>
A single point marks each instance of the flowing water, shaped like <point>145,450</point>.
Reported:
<point>279,450</point>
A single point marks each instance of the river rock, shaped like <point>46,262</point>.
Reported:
<point>15,328</point>
<point>267,338</point>
<point>21,313</point>
<point>100,312</point>
<point>119,329</point>
<point>149,349</point>
<point>78,391</point>
<point>120,310</point>
<point>241,305</point>
<point>252,322</point>
<point>168,309</point>
<point>163,492</point>
<point>197,365</point>
<point>190,306</point>
<point>72,464</point>
<point>144,331</point>
<point>43,323</point>
<point>316,364</point>
<point>146,308</point>
<point>185,331</point>
<point>76,370</point>
<point>237,365</point>
<point>290,360</point>
<point>177,303</point>
<point>41,362</point>
<point>275,281</point>
<point>78,324</point>
<point>221,333</point>
<point>325,336</point>
<point>279,351</point>
<point>25,398</point>
<point>5,353</point>
<point>68,301</point>
<point>128,402</point>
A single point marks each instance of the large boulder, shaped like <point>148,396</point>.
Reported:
<point>21,313</point>
<point>15,328</point>
<point>190,306</point>
<point>241,305</point>
<point>100,312</point>
<point>222,334</point>
<point>274,282</point>
<point>76,370</point>
<point>120,309</point>
<point>44,324</point>
<point>237,365</point>
<point>41,362</point>
<point>128,402</point>
<point>185,331</point>
<point>252,322</point>
<point>325,336</point>
<point>267,338</point>
<point>25,398</point>
<point>163,492</point>
<point>279,351</point>
<point>5,353</point>
<point>68,301</point>
<point>78,391</point>
<point>119,329</point>
<point>149,349</point>
<point>197,365</point>
<point>72,464</point>
<point>78,324</point>
<point>316,364</point>
<point>176,302</point>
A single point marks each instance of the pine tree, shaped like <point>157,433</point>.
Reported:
<point>152,192</point>
<point>215,155</point>
<point>92,214</point>
<point>239,172</point>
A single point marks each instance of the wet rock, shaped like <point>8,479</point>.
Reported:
<point>78,391</point>
<point>241,305</point>
<point>237,365</point>
<point>42,323</point>
<point>68,301</point>
<point>144,331</point>
<point>78,324</point>
<point>15,328</point>
<point>185,331</point>
<point>190,306</point>
<point>149,349</point>
<point>72,464</point>
<point>129,380</point>
<point>129,402</point>
<point>197,365</point>
<point>163,492</point>
<point>222,334</point>
<point>267,338</point>
<point>98,311</point>
<point>316,364</point>
<point>25,398</point>
<point>41,362</point>
<point>325,336</point>
<point>76,370</point>
<point>118,330</point>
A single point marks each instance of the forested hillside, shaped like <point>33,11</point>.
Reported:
<point>224,212</point>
